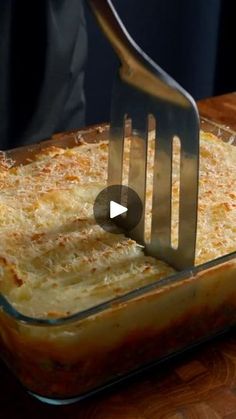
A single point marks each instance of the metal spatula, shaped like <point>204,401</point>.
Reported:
<point>141,89</point>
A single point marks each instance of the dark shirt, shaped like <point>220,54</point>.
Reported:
<point>42,54</point>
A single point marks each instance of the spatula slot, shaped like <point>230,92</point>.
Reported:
<point>149,175</point>
<point>175,191</point>
<point>126,154</point>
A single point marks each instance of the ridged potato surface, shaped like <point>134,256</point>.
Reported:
<point>55,260</point>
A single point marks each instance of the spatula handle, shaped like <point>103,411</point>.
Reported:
<point>137,68</point>
<point>114,30</point>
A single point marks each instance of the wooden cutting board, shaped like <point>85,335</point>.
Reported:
<point>200,384</point>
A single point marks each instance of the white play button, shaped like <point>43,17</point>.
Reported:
<point>107,209</point>
<point>116,209</point>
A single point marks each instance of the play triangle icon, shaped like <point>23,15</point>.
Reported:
<point>116,209</point>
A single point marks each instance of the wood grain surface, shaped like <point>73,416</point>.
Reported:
<point>196,385</point>
<point>220,109</point>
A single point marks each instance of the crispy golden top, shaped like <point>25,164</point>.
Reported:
<point>54,259</point>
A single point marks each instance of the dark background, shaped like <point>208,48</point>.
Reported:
<point>43,47</point>
<point>193,40</point>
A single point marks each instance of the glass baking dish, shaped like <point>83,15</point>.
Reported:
<point>63,360</point>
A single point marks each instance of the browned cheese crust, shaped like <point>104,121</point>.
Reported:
<point>55,260</point>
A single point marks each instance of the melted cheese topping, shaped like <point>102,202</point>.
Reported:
<point>54,259</point>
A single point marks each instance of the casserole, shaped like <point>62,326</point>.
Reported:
<point>63,348</point>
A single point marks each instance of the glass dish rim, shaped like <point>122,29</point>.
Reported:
<point>9,309</point>
<point>137,292</point>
